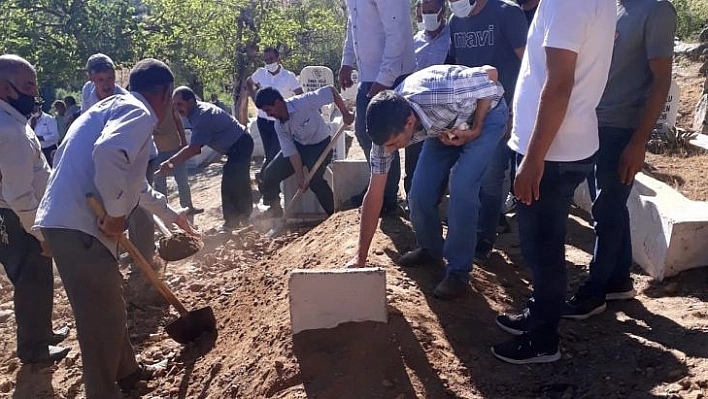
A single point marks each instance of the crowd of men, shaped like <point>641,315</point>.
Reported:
<point>545,94</point>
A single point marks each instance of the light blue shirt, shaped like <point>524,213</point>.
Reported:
<point>306,125</point>
<point>105,152</point>
<point>429,52</point>
<point>214,128</point>
<point>379,40</point>
<point>89,97</point>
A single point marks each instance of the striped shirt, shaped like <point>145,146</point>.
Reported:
<point>442,96</point>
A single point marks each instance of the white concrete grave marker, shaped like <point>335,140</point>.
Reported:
<point>349,94</point>
<point>314,77</point>
<point>667,119</point>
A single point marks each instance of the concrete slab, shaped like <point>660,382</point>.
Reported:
<point>349,177</point>
<point>327,298</point>
<point>669,231</point>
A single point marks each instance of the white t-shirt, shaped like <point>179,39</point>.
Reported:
<point>587,28</point>
<point>284,81</point>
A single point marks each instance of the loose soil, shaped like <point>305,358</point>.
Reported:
<point>178,246</point>
<point>653,346</point>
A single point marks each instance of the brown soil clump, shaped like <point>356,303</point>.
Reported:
<point>179,246</point>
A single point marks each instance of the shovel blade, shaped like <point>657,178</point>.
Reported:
<point>191,326</point>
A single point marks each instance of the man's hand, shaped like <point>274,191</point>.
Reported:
<point>112,227</point>
<point>355,263</point>
<point>183,223</point>
<point>528,180</point>
<point>345,77</point>
<point>348,118</point>
<point>459,137</point>
<point>375,89</point>
<point>46,252</point>
<point>631,162</point>
<point>164,170</point>
<point>301,184</point>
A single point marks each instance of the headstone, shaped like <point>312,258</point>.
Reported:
<point>349,93</point>
<point>314,77</point>
<point>667,119</point>
<point>700,117</point>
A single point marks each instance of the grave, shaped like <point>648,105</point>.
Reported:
<point>327,298</point>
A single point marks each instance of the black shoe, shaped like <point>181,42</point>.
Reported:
<point>503,227</point>
<point>582,306</point>
<point>418,257</point>
<point>52,355</point>
<point>482,252</point>
<point>516,324</point>
<point>59,335</point>
<point>524,350</point>
<point>624,290</point>
<point>194,211</point>
<point>145,372</point>
<point>450,288</point>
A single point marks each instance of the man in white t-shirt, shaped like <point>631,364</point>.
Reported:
<point>271,75</point>
<point>563,75</point>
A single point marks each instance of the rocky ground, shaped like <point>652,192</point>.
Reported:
<point>653,346</point>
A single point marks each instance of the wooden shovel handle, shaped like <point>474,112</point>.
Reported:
<point>124,242</point>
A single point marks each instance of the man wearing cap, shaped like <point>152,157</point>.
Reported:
<point>46,129</point>
<point>102,81</point>
<point>105,152</point>
<point>23,253</point>
<point>213,127</point>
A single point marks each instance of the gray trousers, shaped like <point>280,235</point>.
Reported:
<point>93,285</point>
<point>31,275</point>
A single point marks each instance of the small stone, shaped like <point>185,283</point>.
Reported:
<point>387,384</point>
<point>5,314</point>
<point>196,287</point>
<point>5,386</point>
<point>379,252</point>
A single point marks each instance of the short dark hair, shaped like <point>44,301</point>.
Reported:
<point>151,76</point>
<point>271,49</point>
<point>70,100</point>
<point>59,103</point>
<point>186,93</point>
<point>386,116</point>
<point>267,96</point>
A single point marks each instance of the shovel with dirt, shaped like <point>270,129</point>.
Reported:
<point>190,325</point>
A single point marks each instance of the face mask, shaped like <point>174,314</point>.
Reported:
<point>431,22</point>
<point>24,104</point>
<point>421,25</point>
<point>462,8</point>
<point>272,67</point>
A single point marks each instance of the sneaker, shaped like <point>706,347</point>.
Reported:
<point>145,372</point>
<point>525,350</point>
<point>418,257</point>
<point>509,204</point>
<point>194,211</point>
<point>450,288</point>
<point>52,355</point>
<point>616,292</point>
<point>59,335</point>
<point>582,306</point>
<point>515,324</point>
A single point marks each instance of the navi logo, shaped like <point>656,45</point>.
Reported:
<point>474,39</point>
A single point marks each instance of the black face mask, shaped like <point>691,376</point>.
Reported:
<point>24,104</point>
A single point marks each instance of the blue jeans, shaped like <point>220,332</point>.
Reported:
<point>394,174</point>
<point>542,230</point>
<point>181,178</point>
<point>612,257</point>
<point>468,164</point>
<point>491,194</point>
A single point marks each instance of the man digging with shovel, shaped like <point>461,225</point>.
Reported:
<point>303,136</point>
<point>106,152</point>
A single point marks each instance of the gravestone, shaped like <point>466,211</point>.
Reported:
<point>667,118</point>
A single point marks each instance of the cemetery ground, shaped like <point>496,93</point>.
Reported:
<point>653,346</point>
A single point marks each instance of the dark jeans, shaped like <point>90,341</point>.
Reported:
<point>141,227</point>
<point>236,199</point>
<point>612,257</point>
<point>271,148</point>
<point>394,174</point>
<point>412,155</point>
<point>280,169</point>
<point>31,275</point>
<point>542,230</point>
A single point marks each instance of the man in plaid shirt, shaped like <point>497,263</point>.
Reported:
<point>460,113</point>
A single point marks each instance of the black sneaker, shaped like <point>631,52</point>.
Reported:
<point>145,372</point>
<point>582,306</point>
<point>524,350</point>
<point>516,324</point>
<point>194,211</point>
<point>418,257</point>
<point>624,290</point>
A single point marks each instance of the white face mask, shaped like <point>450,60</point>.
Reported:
<point>462,8</point>
<point>421,25</point>
<point>431,22</point>
<point>272,68</point>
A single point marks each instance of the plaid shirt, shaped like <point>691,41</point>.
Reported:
<point>442,96</point>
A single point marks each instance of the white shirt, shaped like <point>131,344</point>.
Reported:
<point>379,40</point>
<point>23,169</point>
<point>284,81</point>
<point>46,130</point>
<point>587,28</point>
<point>105,152</point>
<point>89,96</point>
